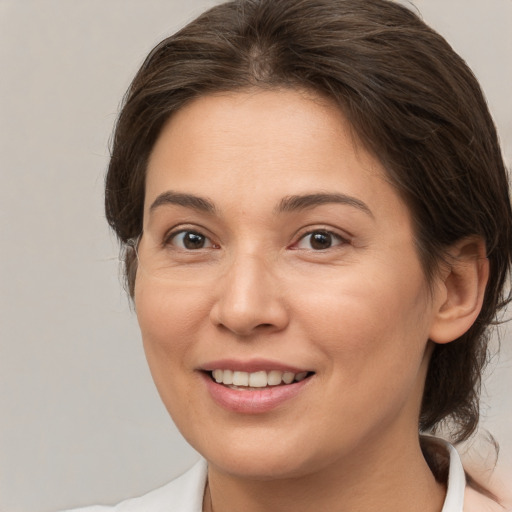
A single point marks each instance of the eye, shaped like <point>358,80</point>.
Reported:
<point>319,240</point>
<point>189,240</point>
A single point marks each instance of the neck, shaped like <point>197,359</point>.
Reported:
<point>374,479</point>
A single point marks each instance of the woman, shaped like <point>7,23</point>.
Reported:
<point>317,227</point>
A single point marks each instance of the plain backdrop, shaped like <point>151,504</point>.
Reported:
<point>80,420</point>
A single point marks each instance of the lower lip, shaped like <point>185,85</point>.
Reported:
<point>253,401</point>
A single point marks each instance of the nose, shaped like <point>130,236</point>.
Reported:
<point>249,298</point>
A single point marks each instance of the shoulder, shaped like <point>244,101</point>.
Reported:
<point>466,494</point>
<point>185,494</point>
<point>489,479</point>
<point>477,502</point>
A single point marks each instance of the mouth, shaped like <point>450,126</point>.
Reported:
<point>252,381</point>
<point>254,386</point>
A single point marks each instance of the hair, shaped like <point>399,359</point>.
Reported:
<point>411,100</point>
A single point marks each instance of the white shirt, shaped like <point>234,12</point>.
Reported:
<point>185,493</point>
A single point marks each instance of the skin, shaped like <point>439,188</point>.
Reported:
<point>358,313</point>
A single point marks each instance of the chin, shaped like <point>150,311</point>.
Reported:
<point>274,457</point>
<point>262,468</point>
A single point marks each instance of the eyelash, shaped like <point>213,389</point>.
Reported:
<point>168,239</point>
<point>321,231</point>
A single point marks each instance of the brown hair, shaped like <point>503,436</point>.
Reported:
<point>409,97</point>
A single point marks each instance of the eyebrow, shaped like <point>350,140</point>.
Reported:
<point>187,200</point>
<point>304,202</point>
<point>287,204</point>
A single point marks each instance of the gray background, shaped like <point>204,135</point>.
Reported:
<point>80,421</point>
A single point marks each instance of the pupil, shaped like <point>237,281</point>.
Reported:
<point>321,241</point>
<point>193,241</point>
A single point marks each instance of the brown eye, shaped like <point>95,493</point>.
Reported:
<point>319,240</point>
<point>190,240</point>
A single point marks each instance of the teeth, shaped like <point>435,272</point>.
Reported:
<point>227,377</point>
<point>274,378</point>
<point>288,377</point>
<point>240,379</point>
<point>301,376</point>
<point>259,379</point>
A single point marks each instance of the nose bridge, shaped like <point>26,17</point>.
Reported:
<point>249,295</point>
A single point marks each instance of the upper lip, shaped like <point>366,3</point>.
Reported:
<point>251,365</point>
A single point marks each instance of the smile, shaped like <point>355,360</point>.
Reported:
<point>248,388</point>
<point>256,380</point>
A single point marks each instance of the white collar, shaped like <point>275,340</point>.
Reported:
<point>454,501</point>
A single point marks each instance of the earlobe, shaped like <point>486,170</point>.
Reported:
<point>461,290</point>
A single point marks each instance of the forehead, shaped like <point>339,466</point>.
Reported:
<point>254,145</point>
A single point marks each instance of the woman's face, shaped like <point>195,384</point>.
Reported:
<point>275,248</point>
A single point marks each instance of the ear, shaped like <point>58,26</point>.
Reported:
<point>461,287</point>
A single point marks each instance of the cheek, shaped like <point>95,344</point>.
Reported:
<point>371,319</point>
<point>168,318</point>
<point>373,338</point>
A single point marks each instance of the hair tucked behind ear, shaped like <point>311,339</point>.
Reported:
<point>409,97</point>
